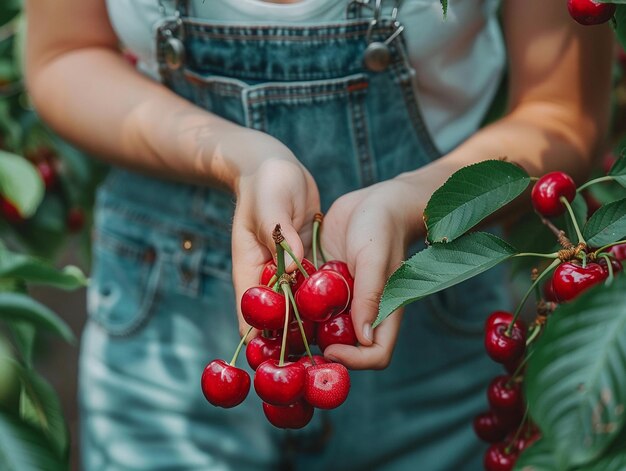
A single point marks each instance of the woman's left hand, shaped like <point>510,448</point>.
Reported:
<point>370,230</point>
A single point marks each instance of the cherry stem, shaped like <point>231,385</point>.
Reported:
<point>508,450</point>
<point>287,249</point>
<point>283,347</point>
<point>534,334</point>
<point>520,367</point>
<point>534,179</point>
<point>241,342</point>
<point>608,246</point>
<point>552,255</point>
<point>518,310</point>
<point>555,230</point>
<point>579,234</point>
<point>272,280</point>
<point>609,267</point>
<point>316,230</point>
<point>287,290</point>
<point>280,261</point>
<point>594,181</point>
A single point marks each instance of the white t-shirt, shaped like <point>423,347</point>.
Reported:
<point>458,61</point>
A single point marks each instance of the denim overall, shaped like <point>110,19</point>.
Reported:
<point>161,301</point>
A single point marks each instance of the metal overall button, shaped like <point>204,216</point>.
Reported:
<point>377,56</point>
<point>174,51</point>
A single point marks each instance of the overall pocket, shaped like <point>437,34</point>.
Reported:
<point>124,280</point>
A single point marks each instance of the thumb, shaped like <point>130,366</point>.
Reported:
<point>283,227</point>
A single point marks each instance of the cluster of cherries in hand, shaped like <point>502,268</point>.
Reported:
<point>47,165</point>
<point>292,311</point>
<point>506,425</point>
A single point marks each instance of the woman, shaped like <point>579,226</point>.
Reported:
<point>286,108</point>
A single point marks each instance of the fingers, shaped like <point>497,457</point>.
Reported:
<point>376,356</point>
<point>370,275</point>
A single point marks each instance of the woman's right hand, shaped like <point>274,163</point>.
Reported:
<point>275,190</point>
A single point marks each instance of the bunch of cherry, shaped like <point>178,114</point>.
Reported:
<point>47,164</point>
<point>506,425</point>
<point>292,311</point>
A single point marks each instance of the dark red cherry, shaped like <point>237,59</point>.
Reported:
<point>524,440</point>
<point>547,191</point>
<point>10,212</point>
<point>294,336</point>
<point>502,317</point>
<point>341,268</point>
<point>499,458</point>
<point>488,428</point>
<point>327,385</point>
<point>548,292</point>
<point>75,220</point>
<point>293,416</point>
<point>260,349</point>
<point>268,272</point>
<point>615,264</point>
<point>505,396</point>
<point>306,361</point>
<point>263,308</point>
<point>571,278</point>
<point>324,294</point>
<point>609,159</point>
<point>279,385</point>
<point>224,385</point>
<point>503,348</point>
<point>48,173</point>
<point>338,329</point>
<point>618,251</point>
<point>590,12</point>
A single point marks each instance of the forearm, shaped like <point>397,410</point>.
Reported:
<point>94,99</point>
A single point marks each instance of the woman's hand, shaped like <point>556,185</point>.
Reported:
<point>279,190</point>
<point>371,229</point>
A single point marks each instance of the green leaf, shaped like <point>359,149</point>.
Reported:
<point>24,334</point>
<point>34,270</point>
<point>441,266</point>
<point>444,6</point>
<point>614,459</point>
<point>40,406</point>
<point>620,24</point>
<point>618,170</point>
<point>20,183</point>
<point>576,380</point>
<point>470,195</point>
<point>20,307</point>
<point>24,448</point>
<point>608,224</point>
<point>539,457</point>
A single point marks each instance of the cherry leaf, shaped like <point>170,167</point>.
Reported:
<point>608,224</point>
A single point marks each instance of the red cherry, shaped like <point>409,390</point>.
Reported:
<point>260,349</point>
<point>524,440</point>
<point>590,12</point>
<point>307,363</point>
<point>294,336</point>
<point>341,268</point>
<point>293,416</point>
<point>503,348</point>
<point>615,264</point>
<point>323,295</point>
<point>338,329</point>
<point>618,251</point>
<point>502,317</point>
<point>48,173</point>
<point>488,428</point>
<point>269,270</point>
<point>10,212</point>
<point>499,458</point>
<point>327,385</point>
<point>224,385</point>
<point>570,279</point>
<point>279,385</point>
<point>513,366</point>
<point>263,308</point>
<point>505,396</point>
<point>548,292</point>
<point>547,191</point>
<point>75,220</point>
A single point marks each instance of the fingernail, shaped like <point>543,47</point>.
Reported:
<point>333,359</point>
<point>367,332</point>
